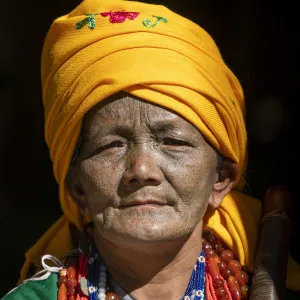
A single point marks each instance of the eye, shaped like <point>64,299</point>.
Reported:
<point>114,144</point>
<point>175,142</point>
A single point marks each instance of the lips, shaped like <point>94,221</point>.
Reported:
<point>139,202</point>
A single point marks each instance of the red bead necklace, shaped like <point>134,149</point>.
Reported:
<point>225,278</point>
<point>67,284</point>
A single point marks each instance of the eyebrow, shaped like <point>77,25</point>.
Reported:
<point>117,130</point>
<point>169,127</point>
<point>163,126</point>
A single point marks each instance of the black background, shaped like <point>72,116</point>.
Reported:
<point>259,42</point>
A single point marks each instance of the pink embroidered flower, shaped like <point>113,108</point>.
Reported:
<point>119,16</point>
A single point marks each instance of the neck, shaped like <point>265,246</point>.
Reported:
<point>157,271</point>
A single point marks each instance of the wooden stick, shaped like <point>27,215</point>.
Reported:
<point>269,276</point>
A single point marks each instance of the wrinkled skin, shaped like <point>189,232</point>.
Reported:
<point>136,151</point>
<point>146,177</point>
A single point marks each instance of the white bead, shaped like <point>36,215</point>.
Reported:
<point>101,296</point>
<point>102,279</point>
<point>102,290</point>
<point>102,268</point>
<point>102,284</point>
<point>193,295</point>
<point>102,274</point>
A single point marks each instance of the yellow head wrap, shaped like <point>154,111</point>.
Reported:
<point>155,54</point>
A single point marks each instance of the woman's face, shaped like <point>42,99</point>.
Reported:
<point>143,172</point>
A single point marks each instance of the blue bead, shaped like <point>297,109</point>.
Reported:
<point>197,281</point>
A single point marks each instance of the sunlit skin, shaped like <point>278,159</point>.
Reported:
<point>146,177</point>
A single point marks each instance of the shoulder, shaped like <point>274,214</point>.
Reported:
<point>35,290</point>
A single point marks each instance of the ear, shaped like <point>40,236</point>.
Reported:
<point>75,189</point>
<point>223,185</point>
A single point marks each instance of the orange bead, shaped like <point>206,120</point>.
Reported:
<point>225,272</point>
<point>244,290</point>
<point>226,256</point>
<point>111,296</point>
<point>220,292</point>
<point>71,298</point>
<point>62,292</point>
<point>218,246</point>
<point>234,266</point>
<point>71,272</point>
<point>234,288</point>
<point>222,266</point>
<point>61,280</point>
<point>72,282</point>
<point>231,279</point>
<point>71,291</point>
<point>210,253</point>
<point>241,277</point>
<point>213,269</point>
<point>206,245</point>
<point>217,259</point>
<point>218,283</point>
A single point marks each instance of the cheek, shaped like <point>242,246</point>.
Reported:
<point>194,177</point>
<point>100,181</point>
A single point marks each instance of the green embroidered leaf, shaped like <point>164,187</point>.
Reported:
<point>90,20</point>
<point>147,22</point>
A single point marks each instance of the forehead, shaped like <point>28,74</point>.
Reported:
<point>128,111</point>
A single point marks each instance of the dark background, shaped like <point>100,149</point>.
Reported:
<point>259,42</point>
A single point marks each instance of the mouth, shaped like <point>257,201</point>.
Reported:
<point>143,203</point>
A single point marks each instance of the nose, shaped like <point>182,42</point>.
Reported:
<point>142,168</point>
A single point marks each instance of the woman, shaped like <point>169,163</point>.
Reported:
<point>145,125</point>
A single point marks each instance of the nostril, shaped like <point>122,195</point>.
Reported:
<point>133,180</point>
<point>149,181</point>
<point>152,182</point>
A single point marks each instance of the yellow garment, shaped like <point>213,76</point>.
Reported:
<point>175,64</point>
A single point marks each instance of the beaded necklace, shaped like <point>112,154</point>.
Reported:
<point>216,276</point>
<point>93,271</point>
<point>97,278</point>
<point>196,287</point>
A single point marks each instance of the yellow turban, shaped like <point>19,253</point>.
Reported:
<point>103,47</point>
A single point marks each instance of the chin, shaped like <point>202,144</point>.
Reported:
<point>148,232</point>
<point>140,237</point>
